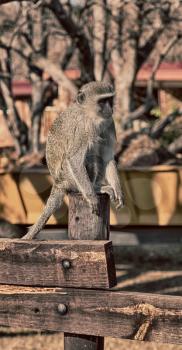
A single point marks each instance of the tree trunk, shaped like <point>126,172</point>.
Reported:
<point>37,101</point>
<point>124,57</point>
<point>99,19</point>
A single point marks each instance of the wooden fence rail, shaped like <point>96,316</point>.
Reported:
<point>80,264</point>
<point>137,316</point>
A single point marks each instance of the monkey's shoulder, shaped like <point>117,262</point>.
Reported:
<point>65,120</point>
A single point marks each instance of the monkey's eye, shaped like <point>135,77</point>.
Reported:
<point>101,103</point>
<point>81,97</point>
<point>104,101</point>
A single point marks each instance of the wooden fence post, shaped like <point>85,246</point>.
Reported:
<point>84,225</point>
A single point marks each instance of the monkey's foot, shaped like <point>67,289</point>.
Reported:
<point>30,234</point>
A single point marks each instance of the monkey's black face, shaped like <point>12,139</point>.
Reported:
<point>105,106</point>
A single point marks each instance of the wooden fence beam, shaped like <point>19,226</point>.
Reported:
<point>137,316</point>
<point>85,264</point>
<point>84,224</point>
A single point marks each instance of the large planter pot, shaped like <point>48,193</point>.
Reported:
<point>153,196</point>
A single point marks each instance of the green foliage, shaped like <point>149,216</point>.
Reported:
<point>156,112</point>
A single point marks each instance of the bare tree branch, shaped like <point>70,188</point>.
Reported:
<point>145,50</point>
<point>158,62</point>
<point>40,62</point>
<point>68,55</point>
<point>55,72</point>
<point>150,101</point>
<point>77,34</point>
<point>158,128</point>
<point>176,146</point>
<point>140,111</point>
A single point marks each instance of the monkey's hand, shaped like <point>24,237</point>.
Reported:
<point>116,196</point>
<point>109,190</point>
<point>113,180</point>
<point>119,198</point>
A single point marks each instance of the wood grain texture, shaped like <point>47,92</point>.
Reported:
<point>41,263</point>
<point>138,316</point>
<point>83,224</point>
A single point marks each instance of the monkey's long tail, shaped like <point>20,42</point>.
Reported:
<point>53,203</point>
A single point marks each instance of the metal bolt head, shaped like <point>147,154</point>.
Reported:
<point>62,309</point>
<point>66,264</point>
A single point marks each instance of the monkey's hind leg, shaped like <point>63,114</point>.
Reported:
<point>53,203</point>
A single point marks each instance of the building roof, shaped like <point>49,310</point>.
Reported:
<point>168,74</point>
<point>21,88</point>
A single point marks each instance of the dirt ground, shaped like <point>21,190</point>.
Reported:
<point>55,342</point>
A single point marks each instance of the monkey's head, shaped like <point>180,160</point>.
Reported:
<point>97,97</point>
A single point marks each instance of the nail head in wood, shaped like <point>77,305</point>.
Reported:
<point>62,309</point>
<point>66,264</point>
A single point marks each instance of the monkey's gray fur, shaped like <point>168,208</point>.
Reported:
<point>80,152</point>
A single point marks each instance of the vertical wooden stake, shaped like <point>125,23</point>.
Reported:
<point>83,224</point>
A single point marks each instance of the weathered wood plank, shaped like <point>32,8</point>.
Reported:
<point>138,316</point>
<point>83,224</point>
<point>57,263</point>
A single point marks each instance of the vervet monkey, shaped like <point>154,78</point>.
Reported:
<point>80,152</point>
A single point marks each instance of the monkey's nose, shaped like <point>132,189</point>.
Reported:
<point>109,106</point>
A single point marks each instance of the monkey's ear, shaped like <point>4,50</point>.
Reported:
<point>81,97</point>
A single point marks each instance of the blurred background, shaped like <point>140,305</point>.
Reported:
<point>48,50</point>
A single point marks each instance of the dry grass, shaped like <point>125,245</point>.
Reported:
<point>55,342</point>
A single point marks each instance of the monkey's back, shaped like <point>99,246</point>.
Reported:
<point>64,139</point>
